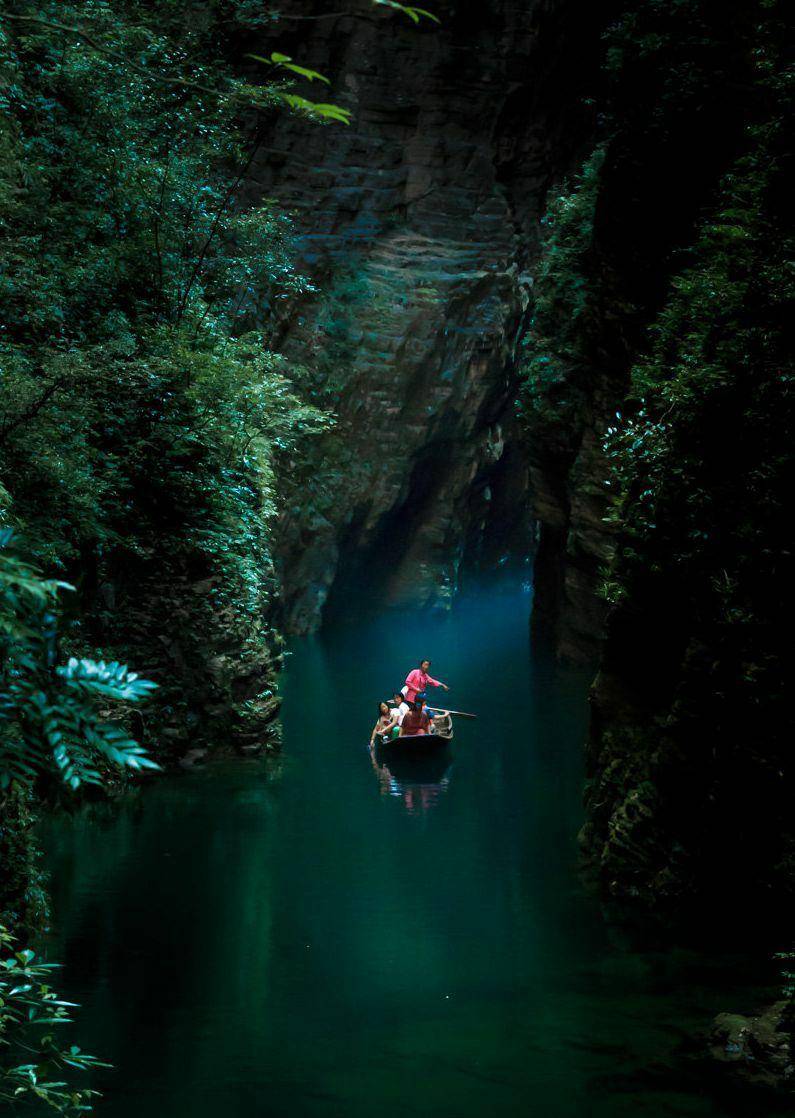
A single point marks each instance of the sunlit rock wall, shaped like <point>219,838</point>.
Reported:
<point>419,222</point>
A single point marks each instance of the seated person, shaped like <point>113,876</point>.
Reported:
<point>416,721</point>
<point>430,713</point>
<point>384,725</point>
<point>399,707</point>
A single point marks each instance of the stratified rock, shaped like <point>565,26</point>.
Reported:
<point>419,222</point>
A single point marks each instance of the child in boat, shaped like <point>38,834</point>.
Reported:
<point>426,710</point>
<point>416,721</point>
<point>418,681</point>
<point>385,723</point>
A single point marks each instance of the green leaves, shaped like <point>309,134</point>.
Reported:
<point>318,109</point>
<point>554,372</point>
<point>144,419</point>
<point>158,447</point>
<point>315,108</point>
<point>285,62</point>
<point>112,680</point>
<point>53,721</point>
<point>414,14</point>
<point>33,1062</point>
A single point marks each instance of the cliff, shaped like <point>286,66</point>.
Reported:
<point>419,224</point>
<point>657,396</point>
<point>689,775</point>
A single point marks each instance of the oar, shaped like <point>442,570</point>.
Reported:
<point>460,713</point>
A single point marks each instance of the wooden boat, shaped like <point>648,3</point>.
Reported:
<point>408,744</point>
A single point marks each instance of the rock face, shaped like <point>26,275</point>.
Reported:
<point>757,1049</point>
<point>420,223</point>
<point>688,760</point>
<point>571,503</point>
<point>215,666</point>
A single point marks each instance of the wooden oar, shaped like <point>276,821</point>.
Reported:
<point>460,713</point>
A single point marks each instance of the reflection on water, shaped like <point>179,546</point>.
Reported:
<point>247,945</point>
<point>417,781</point>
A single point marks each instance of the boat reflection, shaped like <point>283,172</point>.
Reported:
<point>418,780</point>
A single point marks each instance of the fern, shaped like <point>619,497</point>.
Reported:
<point>53,717</point>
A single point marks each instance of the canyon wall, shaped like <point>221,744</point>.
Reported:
<point>443,291</point>
<point>662,311</point>
<point>657,382</point>
<point>419,222</point>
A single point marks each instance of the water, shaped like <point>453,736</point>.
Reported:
<point>324,937</point>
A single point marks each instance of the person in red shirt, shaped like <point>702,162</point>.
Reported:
<point>429,712</point>
<point>418,681</point>
<point>415,722</point>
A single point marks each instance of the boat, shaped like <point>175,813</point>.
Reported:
<point>420,744</point>
<point>417,777</point>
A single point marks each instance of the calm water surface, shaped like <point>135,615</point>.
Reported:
<point>324,937</point>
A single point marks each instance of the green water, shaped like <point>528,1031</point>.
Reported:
<point>323,937</point>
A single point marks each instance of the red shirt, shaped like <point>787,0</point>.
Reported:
<point>415,722</point>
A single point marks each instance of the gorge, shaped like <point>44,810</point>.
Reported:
<point>450,281</point>
<point>530,308</point>
<point>419,227</point>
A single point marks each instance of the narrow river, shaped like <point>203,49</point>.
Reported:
<point>317,936</point>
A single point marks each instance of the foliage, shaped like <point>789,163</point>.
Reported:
<point>701,472</point>
<point>787,975</point>
<point>555,368</point>
<point>54,730</point>
<point>666,293</point>
<point>143,415</point>
<point>721,314</point>
<point>145,420</point>
<point>415,14</point>
<point>716,348</point>
<point>24,902</point>
<point>53,724</point>
<point>704,436</point>
<point>32,1061</point>
<point>190,74</point>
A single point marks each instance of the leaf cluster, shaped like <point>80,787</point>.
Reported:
<point>54,717</point>
<point>32,1060</point>
<point>143,414</point>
